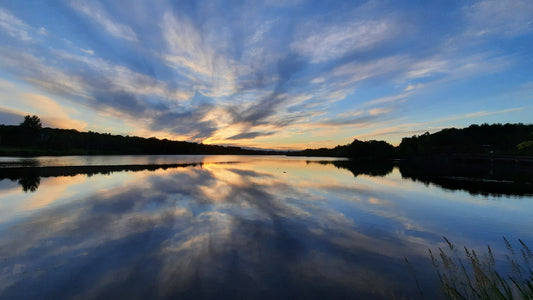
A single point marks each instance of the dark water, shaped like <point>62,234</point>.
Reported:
<point>226,227</point>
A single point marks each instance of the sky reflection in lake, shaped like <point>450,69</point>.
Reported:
<point>241,227</point>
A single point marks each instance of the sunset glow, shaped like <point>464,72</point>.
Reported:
<point>272,74</point>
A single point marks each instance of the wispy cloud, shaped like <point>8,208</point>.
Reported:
<point>358,71</point>
<point>359,117</point>
<point>98,14</point>
<point>52,113</point>
<point>412,87</point>
<point>477,114</point>
<point>249,135</point>
<point>503,17</point>
<point>87,51</point>
<point>42,31</point>
<point>114,89</point>
<point>323,42</point>
<point>14,26</point>
<point>120,79</point>
<point>389,99</point>
<point>39,72</point>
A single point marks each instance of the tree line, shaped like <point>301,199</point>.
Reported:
<point>497,139</point>
<point>30,138</point>
<point>483,140</point>
<point>355,150</point>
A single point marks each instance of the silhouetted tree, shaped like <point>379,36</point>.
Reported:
<point>30,131</point>
<point>31,122</point>
<point>356,150</point>
<point>370,149</point>
<point>509,139</point>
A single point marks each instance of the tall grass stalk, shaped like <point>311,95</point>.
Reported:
<point>471,276</point>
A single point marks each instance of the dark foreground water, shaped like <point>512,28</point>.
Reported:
<point>229,227</point>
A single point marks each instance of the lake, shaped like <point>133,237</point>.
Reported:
<point>226,227</point>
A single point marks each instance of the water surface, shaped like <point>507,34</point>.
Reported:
<point>237,227</point>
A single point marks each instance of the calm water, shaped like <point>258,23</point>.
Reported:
<point>239,227</point>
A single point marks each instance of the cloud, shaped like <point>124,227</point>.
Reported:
<point>87,51</point>
<point>38,72</point>
<point>259,113</point>
<point>198,73</point>
<point>116,90</point>
<point>359,117</point>
<point>349,121</point>
<point>252,93</point>
<point>428,67</point>
<point>8,117</point>
<point>14,26</point>
<point>412,87</point>
<point>358,71</point>
<point>502,17</point>
<point>97,14</point>
<point>51,112</point>
<point>283,3</point>
<point>388,99</point>
<point>194,229</point>
<point>249,135</point>
<point>326,42</point>
<point>121,92</point>
<point>17,102</point>
<point>477,114</point>
<point>186,122</point>
<point>318,80</point>
<point>42,31</point>
<point>379,111</point>
<point>447,66</point>
<point>192,56</point>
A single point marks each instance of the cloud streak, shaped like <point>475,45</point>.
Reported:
<point>14,26</point>
<point>97,14</point>
<point>507,17</point>
<point>324,42</point>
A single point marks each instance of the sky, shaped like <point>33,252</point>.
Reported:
<point>273,74</point>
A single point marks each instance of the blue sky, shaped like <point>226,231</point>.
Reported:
<point>272,74</point>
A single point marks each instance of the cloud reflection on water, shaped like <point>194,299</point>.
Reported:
<point>215,231</point>
<point>254,229</point>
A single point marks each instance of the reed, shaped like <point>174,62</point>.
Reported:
<point>470,275</point>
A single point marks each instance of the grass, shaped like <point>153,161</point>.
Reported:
<point>469,275</point>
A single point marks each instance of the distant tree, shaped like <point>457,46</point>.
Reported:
<point>30,129</point>
<point>505,139</point>
<point>370,149</point>
<point>31,122</point>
